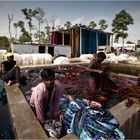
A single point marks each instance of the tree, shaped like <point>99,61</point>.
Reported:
<point>16,26</point>
<point>40,13</point>
<point>67,25</point>
<point>4,42</point>
<point>24,37</point>
<point>77,25</point>
<point>92,25</point>
<point>29,14</point>
<point>10,18</point>
<point>20,24</point>
<point>59,28</point>
<point>52,21</point>
<point>42,37</point>
<point>120,25</point>
<point>103,25</point>
<point>48,33</point>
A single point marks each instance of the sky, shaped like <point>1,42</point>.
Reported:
<point>73,11</point>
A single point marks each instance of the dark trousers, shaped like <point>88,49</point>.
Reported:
<point>13,75</point>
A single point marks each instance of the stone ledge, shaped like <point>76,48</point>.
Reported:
<point>25,124</point>
<point>129,119</point>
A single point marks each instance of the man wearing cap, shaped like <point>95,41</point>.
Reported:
<point>10,73</point>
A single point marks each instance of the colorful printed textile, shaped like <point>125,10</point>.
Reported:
<point>88,123</point>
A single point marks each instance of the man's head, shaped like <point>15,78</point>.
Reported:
<point>10,56</point>
<point>101,56</point>
<point>48,76</point>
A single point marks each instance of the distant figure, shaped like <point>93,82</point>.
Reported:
<point>95,63</point>
<point>45,96</point>
<point>10,72</point>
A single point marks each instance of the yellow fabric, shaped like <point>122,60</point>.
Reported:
<point>77,42</point>
<point>72,46</point>
<point>10,54</point>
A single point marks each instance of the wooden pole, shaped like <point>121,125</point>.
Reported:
<point>63,38</point>
<point>80,40</point>
<point>96,41</point>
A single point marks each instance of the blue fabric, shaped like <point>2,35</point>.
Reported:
<point>83,42</point>
<point>87,123</point>
<point>88,41</point>
<point>99,38</point>
<point>102,39</point>
<point>94,42</point>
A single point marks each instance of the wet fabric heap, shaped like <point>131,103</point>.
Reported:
<point>87,123</point>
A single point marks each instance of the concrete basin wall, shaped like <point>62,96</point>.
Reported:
<point>25,123</point>
<point>129,119</point>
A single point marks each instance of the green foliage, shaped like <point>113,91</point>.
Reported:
<point>120,25</point>
<point>25,37</point>
<point>4,42</point>
<point>42,37</point>
<point>77,25</point>
<point>92,25</point>
<point>40,13</point>
<point>52,21</point>
<point>103,24</point>
<point>67,25</point>
<point>29,14</point>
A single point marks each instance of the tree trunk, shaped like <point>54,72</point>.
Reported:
<point>123,45</point>
<point>10,20</point>
<point>16,34</point>
<point>39,32</point>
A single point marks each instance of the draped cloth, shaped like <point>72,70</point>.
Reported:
<point>89,123</point>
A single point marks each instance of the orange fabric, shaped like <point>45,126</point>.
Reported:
<point>72,41</point>
<point>77,42</point>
